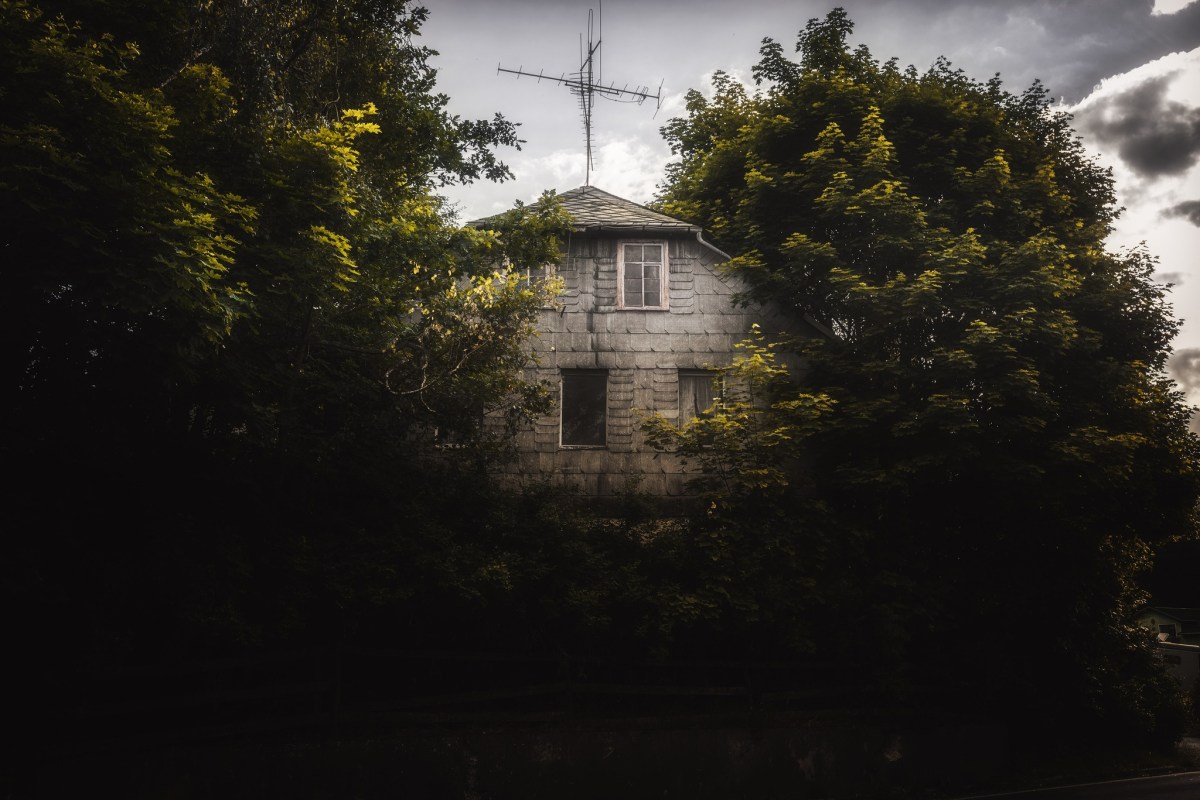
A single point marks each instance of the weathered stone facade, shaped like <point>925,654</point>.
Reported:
<point>635,354</point>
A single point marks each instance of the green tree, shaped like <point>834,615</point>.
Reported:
<point>225,219</point>
<point>235,303</point>
<point>988,447</point>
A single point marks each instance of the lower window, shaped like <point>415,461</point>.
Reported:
<point>533,277</point>
<point>698,391</point>
<point>584,404</point>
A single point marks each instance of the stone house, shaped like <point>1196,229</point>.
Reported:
<point>1172,624</point>
<point>644,317</point>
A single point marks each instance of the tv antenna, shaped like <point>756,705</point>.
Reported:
<point>586,84</point>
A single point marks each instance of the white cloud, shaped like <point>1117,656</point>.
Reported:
<point>1170,6</point>
<point>1129,123</point>
<point>629,168</point>
<point>559,170</point>
<point>1184,367</point>
<point>1183,63</point>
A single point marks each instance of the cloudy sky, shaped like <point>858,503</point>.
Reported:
<point>1128,70</point>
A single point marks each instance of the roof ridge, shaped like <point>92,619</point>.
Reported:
<point>583,190</point>
<point>595,209</point>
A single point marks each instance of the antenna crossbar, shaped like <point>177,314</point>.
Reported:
<point>586,85</point>
<point>640,94</point>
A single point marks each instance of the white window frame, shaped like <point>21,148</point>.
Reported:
<point>532,275</point>
<point>528,277</point>
<point>664,276</point>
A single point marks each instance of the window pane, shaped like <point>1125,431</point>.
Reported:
<point>633,292</point>
<point>584,407</point>
<point>643,275</point>
<point>652,295</point>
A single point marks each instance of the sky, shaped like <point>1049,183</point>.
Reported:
<point>1127,70</point>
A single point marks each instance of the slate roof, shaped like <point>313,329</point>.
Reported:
<point>596,210</point>
<point>1182,614</point>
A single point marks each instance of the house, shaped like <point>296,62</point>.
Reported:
<point>1172,624</point>
<point>1182,662</point>
<point>644,317</point>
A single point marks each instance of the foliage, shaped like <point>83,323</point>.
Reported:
<point>244,240</point>
<point>1195,699</point>
<point>989,437</point>
<point>735,441</point>
<point>235,308</point>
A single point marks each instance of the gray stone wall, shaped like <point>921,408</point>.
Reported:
<point>642,350</point>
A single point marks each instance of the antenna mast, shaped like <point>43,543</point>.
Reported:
<point>586,84</point>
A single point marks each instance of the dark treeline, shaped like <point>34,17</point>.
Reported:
<point>236,314</point>
<point>235,311</point>
<point>984,458</point>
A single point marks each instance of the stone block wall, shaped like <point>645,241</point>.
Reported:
<point>642,351</point>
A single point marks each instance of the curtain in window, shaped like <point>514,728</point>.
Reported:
<point>697,392</point>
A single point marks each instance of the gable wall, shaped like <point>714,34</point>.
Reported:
<point>642,351</point>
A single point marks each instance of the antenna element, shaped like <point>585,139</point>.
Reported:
<point>586,85</point>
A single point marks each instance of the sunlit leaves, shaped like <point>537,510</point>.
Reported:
<point>993,407</point>
<point>232,203</point>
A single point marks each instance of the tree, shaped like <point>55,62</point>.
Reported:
<point>235,305</point>
<point>226,220</point>
<point>989,445</point>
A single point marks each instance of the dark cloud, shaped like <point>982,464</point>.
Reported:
<point>1172,278</point>
<point>1111,37</point>
<point>1188,209</point>
<point>1184,367</point>
<point>1070,45</point>
<point>1153,135</point>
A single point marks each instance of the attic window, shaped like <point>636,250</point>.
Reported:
<point>642,274</point>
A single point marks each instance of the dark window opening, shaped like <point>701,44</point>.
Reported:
<point>584,408</point>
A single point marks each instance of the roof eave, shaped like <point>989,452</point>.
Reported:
<point>630,227</point>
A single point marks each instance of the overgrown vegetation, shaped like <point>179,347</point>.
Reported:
<point>236,312</point>
<point>965,482</point>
